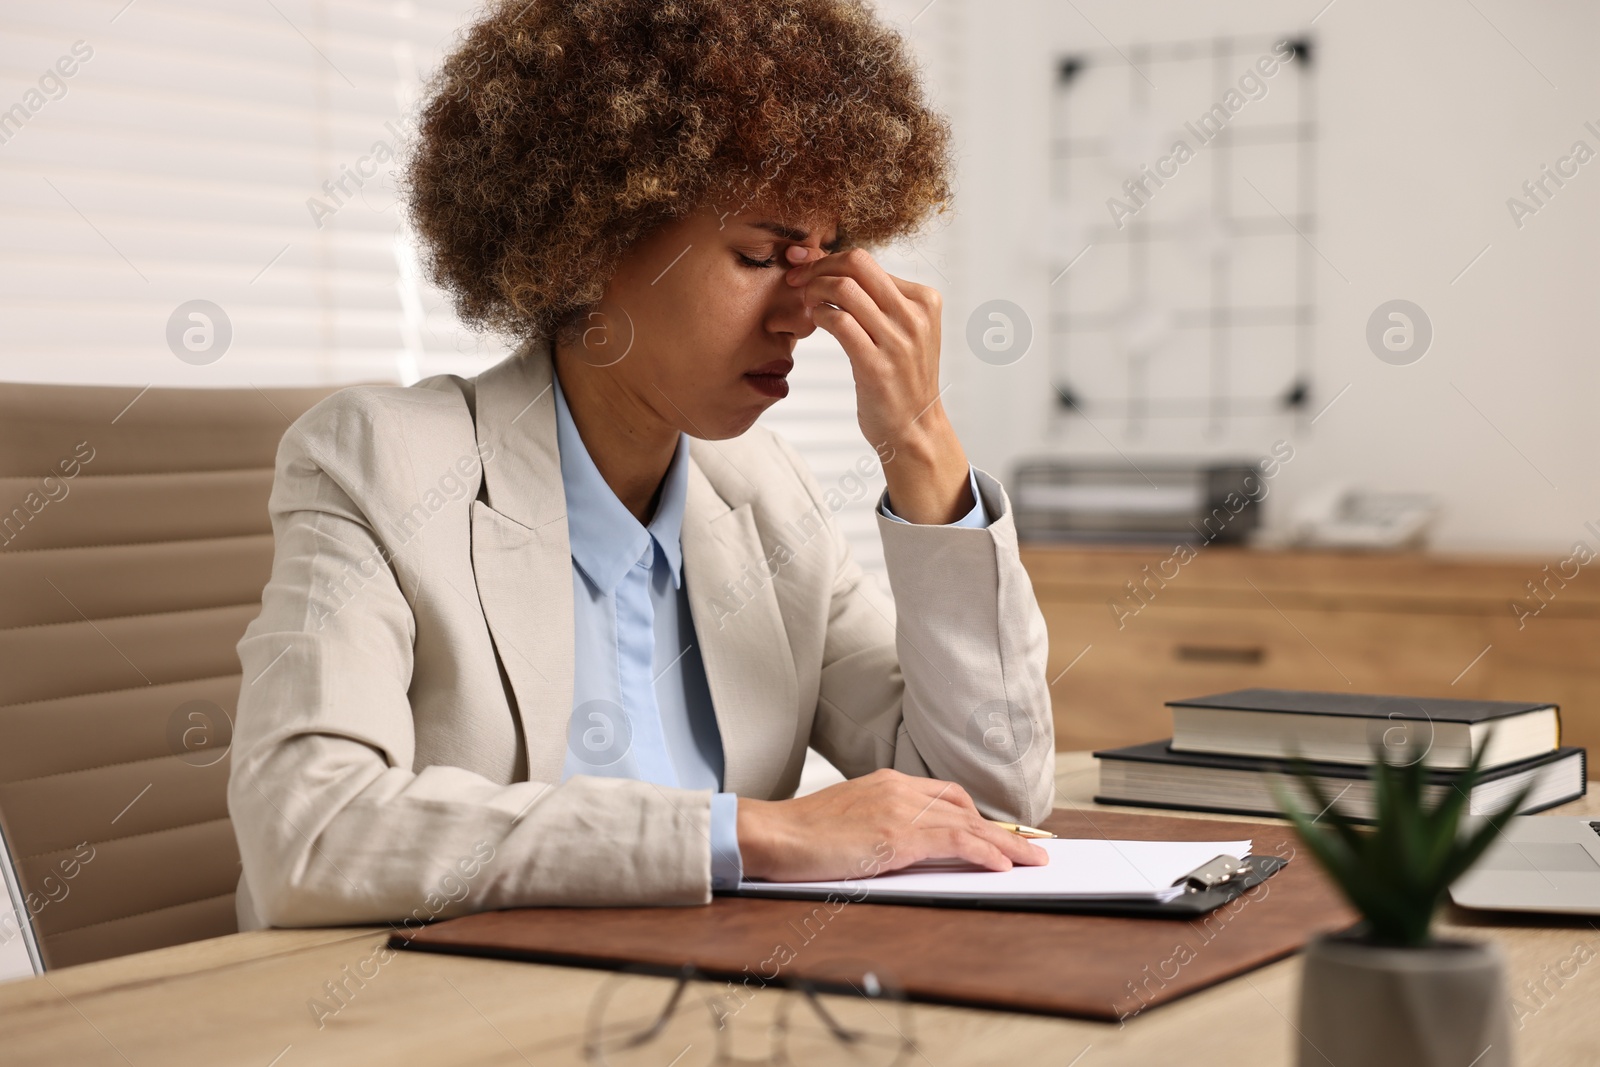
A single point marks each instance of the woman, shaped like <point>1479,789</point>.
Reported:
<point>561,633</point>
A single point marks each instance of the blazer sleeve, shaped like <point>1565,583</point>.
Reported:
<point>334,824</point>
<point>955,689</point>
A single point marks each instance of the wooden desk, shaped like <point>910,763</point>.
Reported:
<point>1410,623</point>
<point>243,999</point>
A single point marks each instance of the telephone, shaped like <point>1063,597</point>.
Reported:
<point>1342,517</point>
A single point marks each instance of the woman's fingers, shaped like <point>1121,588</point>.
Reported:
<point>856,284</point>
<point>924,295</point>
<point>933,789</point>
<point>849,297</point>
<point>826,834</point>
<point>1014,847</point>
<point>974,849</point>
<point>963,844</point>
<point>857,264</point>
<point>946,843</point>
<point>939,803</point>
<point>945,807</point>
<point>928,787</point>
<point>851,335</point>
<point>890,330</point>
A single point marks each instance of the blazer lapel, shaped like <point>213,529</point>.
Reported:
<point>522,560</point>
<point>743,642</point>
<point>521,557</point>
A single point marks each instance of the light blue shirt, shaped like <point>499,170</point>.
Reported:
<point>641,707</point>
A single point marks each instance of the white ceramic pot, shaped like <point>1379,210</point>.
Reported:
<point>1366,1005</point>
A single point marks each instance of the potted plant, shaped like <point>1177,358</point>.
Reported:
<point>1387,992</point>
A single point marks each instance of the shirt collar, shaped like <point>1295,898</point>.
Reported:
<point>605,537</point>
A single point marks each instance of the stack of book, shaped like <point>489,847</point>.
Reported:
<point>1225,750</point>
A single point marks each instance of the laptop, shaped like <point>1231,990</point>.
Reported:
<point>1548,863</point>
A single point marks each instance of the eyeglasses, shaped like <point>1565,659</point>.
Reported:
<point>638,1019</point>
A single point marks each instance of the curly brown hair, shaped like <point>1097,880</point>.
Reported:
<point>559,132</point>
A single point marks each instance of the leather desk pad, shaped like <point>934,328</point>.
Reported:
<point>1085,966</point>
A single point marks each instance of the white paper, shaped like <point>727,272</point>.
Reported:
<point>1078,867</point>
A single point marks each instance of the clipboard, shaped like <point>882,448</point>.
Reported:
<point>1206,888</point>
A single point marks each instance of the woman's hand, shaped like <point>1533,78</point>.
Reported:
<point>890,329</point>
<point>879,822</point>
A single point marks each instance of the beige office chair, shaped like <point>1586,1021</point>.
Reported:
<point>134,546</point>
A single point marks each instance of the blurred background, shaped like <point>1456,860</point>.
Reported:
<point>1307,401</point>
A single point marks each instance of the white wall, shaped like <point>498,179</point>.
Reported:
<point>1430,120</point>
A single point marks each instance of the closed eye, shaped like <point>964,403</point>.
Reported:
<point>770,261</point>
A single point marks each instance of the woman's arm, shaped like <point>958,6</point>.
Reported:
<point>333,822</point>
<point>956,689</point>
<point>939,723</point>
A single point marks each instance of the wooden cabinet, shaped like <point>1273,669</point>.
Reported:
<point>1131,628</point>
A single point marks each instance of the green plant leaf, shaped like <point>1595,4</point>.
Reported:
<point>1347,853</point>
<point>1398,872</point>
<point>1445,824</point>
<point>1325,807</point>
<point>1468,852</point>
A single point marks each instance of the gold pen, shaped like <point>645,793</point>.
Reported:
<point>1022,831</point>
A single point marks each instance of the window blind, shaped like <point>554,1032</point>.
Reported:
<point>238,152</point>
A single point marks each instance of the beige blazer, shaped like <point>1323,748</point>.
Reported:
<point>407,687</point>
